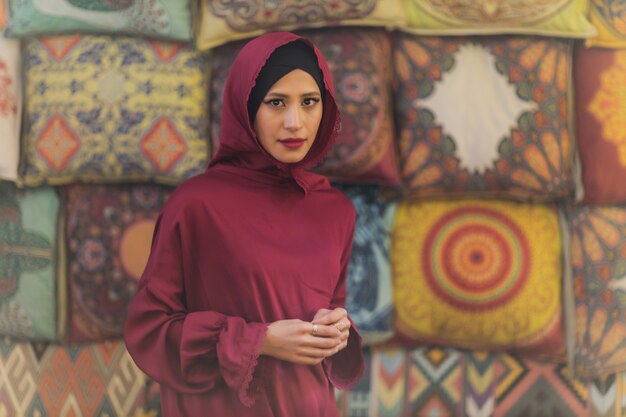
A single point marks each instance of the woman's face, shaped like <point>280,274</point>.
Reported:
<point>289,116</point>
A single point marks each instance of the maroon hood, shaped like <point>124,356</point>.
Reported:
<point>239,145</point>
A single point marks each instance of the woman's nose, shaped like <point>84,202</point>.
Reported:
<point>293,118</point>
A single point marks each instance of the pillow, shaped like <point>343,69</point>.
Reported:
<point>369,294</point>
<point>109,234</point>
<point>167,19</point>
<point>10,108</point>
<point>600,85</point>
<point>32,285</point>
<point>55,380</point>
<point>609,18</point>
<point>360,64</point>
<point>484,116</point>
<point>598,259</point>
<point>3,14</point>
<point>112,109</point>
<point>221,22</point>
<point>433,381</point>
<point>479,275</point>
<point>566,18</point>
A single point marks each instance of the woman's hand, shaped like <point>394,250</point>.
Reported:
<point>337,318</point>
<point>301,342</point>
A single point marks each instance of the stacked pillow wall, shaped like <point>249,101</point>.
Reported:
<point>482,144</point>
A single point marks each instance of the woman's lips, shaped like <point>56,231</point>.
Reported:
<point>292,143</point>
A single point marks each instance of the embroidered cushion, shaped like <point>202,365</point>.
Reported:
<point>32,279</point>
<point>479,275</point>
<point>600,85</point>
<point>369,293</point>
<point>10,108</point>
<point>167,19</point>
<point>110,109</point>
<point>109,233</point>
<point>609,18</point>
<point>598,259</point>
<point>565,18</point>
<point>70,380</point>
<point>484,116</point>
<point>360,64</point>
<point>223,22</point>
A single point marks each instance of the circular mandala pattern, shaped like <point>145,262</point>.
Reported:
<point>475,259</point>
<point>479,275</point>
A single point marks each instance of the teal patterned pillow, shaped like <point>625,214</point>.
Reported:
<point>31,288</point>
<point>168,19</point>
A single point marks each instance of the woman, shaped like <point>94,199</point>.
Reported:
<point>240,309</point>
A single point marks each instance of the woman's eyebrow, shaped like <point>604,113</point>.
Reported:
<point>282,95</point>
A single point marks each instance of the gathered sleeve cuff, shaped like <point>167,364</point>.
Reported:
<point>346,368</point>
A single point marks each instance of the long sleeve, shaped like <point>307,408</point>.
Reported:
<point>346,368</point>
<point>190,352</point>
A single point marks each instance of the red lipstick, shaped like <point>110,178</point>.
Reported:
<point>292,143</point>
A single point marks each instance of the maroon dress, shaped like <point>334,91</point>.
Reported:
<point>249,242</point>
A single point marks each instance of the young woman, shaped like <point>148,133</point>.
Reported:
<point>240,309</point>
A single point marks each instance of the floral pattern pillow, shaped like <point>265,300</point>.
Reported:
<point>32,279</point>
<point>111,109</point>
<point>369,292</point>
<point>10,108</point>
<point>479,274</point>
<point>609,18</point>
<point>600,86</point>
<point>222,22</point>
<point>165,19</point>
<point>484,116</point>
<point>563,18</point>
<point>598,259</point>
<point>109,233</point>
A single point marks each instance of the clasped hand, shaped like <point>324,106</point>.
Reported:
<point>308,343</point>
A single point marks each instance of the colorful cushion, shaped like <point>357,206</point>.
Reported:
<point>598,259</point>
<point>447,382</point>
<point>609,18</point>
<point>479,275</point>
<point>32,289</point>
<point>109,233</point>
<point>52,380</point>
<point>223,22</point>
<point>600,86</point>
<point>566,18</point>
<point>370,300</point>
<point>10,108</point>
<point>360,64</point>
<point>486,116</point>
<point>167,19</point>
<point>109,109</point>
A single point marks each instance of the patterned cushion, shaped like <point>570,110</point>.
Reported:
<point>448,382</point>
<point>32,289</point>
<point>53,380</point>
<point>360,64</point>
<point>600,83</point>
<point>10,108</point>
<point>370,300</point>
<point>479,275</point>
<point>598,258</point>
<point>167,19</point>
<point>486,116</point>
<point>223,21</point>
<point>109,232</point>
<point>609,18</point>
<point>564,18</point>
<point>108,109</point>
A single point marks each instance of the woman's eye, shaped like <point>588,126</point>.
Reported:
<point>310,101</point>
<point>275,102</point>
